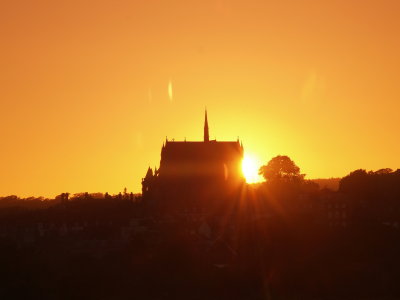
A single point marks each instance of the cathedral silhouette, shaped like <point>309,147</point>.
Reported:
<point>195,175</point>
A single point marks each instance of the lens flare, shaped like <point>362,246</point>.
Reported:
<point>170,95</point>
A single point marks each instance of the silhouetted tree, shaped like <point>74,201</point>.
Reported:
<point>63,197</point>
<point>281,168</point>
<point>384,171</point>
<point>355,182</point>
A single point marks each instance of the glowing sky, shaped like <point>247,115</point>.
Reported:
<point>90,89</point>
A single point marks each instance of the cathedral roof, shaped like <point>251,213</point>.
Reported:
<point>206,150</point>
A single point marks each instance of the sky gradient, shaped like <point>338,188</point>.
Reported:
<point>89,90</point>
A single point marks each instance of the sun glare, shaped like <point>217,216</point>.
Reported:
<point>250,166</point>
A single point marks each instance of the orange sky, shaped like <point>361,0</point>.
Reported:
<point>90,89</point>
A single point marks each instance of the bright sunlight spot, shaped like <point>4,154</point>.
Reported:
<point>250,166</point>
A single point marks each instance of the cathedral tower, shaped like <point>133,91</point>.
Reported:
<point>206,135</point>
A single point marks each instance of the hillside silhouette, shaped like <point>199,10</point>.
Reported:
<point>328,183</point>
<point>284,238</point>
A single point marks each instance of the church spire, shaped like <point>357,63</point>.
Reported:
<point>206,135</point>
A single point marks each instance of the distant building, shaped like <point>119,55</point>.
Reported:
<point>195,175</point>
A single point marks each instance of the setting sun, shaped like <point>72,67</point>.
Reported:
<point>250,166</point>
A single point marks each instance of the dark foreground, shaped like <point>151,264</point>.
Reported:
<point>282,239</point>
<point>113,250</point>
